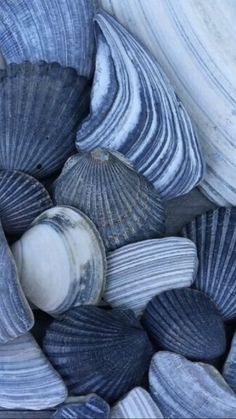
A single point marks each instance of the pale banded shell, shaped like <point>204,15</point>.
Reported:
<point>84,407</point>
<point>229,370</point>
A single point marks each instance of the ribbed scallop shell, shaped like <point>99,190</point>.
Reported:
<point>229,370</point>
<point>53,31</point>
<point>183,389</point>
<point>134,110</point>
<point>87,407</point>
<point>124,206</point>
<point>41,106</point>
<point>214,234</point>
<point>16,317</point>
<point>27,380</point>
<point>22,199</point>
<point>187,322</point>
<point>61,261</point>
<point>148,268</point>
<point>98,351</point>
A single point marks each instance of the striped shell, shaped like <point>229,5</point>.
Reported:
<point>229,370</point>
<point>87,407</point>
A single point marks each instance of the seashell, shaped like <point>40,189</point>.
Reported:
<point>134,110</point>
<point>16,317</point>
<point>40,137</point>
<point>61,261</point>
<point>28,381</point>
<point>185,389</point>
<point>53,31</point>
<point>136,404</point>
<point>124,206</point>
<point>229,370</point>
<point>186,321</point>
<point>149,267</point>
<point>98,351</point>
<point>214,234</point>
<point>85,407</point>
<point>22,199</point>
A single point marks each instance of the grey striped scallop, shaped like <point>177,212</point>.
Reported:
<point>53,31</point>
<point>27,380</point>
<point>229,370</point>
<point>84,407</point>
<point>139,271</point>
<point>134,110</point>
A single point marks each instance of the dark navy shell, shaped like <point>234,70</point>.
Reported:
<point>88,407</point>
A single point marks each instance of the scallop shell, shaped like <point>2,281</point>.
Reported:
<point>136,404</point>
<point>124,206</point>
<point>41,106</point>
<point>87,407</point>
<point>98,351</point>
<point>214,234</point>
<point>16,317</point>
<point>53,31</point>
<point>22,199</point>
<point>187,322</point>
<point>134,110</point>
<point>229,370</point>
<point>28,381</point>
<point>149,267</point>
<point>183,389</point>
<point>61,261</point>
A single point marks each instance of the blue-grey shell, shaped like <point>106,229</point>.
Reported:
<point>187,322</point>
<point>134,110</point>
<point>229,370</point>
<point>41,106</point>
<point>98,351</point>
<point>123,205</point>
<point>49,30</point>
<point>88,407</point>
<point>22,199</point>
<point>214,235</point>
<point>184,389</point>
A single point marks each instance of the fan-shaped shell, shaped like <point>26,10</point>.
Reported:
<point>98,351</point>
<point>148,267</point>
<point>41,106</point>
<point>123,205</point>
<point>53,31</point>
<point>214,234</point>
<point>28,381</point>
<point>61,261</point>
<point>87,407</point>
<point>229,370</point>
<point>22,199</point>
<point>134,110</point>
<point>183,389</point>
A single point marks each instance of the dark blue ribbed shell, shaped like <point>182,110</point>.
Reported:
<point>88,407</point>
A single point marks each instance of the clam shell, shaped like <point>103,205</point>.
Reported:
<point>183,389</point>
<point>229,370</point>
<point>124,206</point>
<point>214,234</point>
<point>87,407</point>
<point>148,267</point>
<point>22,199</point>
<point>16,317</point>
<point>98,351</point>
<point>53,31</point>
<point>136,404</point>
<point>61,261</point>
<point>134,110</point>
<point>41,106</point>
<point>187,322</point>
<point>28,381</point>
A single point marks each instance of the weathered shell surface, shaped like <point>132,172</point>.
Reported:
<point>87,407</point>
<point>229,370</point>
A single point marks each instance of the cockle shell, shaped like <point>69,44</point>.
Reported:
<point>61,261</point>
<point>214,234</point>
<point>184,389</point>
<point>134,110</point>
<point>28,381</point>
<point>53,31</point>
<point>137,272</point>
<point>87,407</point>
<point>186,321</point>
<point>229,370</point>
<point>98,351</point>
<point>41,106</point>
<point>123,205</point>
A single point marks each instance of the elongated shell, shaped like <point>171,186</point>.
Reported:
<point>148,267</point>
<point>98,351</point>
<point>214,234</point>
<point>134,110</point>
<point>41,106</point>
<point>229,370</point>
<point>61,261</point>
<point>183,389</point>
<point>123,205</point>
<point>87,407</point>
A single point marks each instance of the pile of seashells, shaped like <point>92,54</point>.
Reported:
<point>93,142</point>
